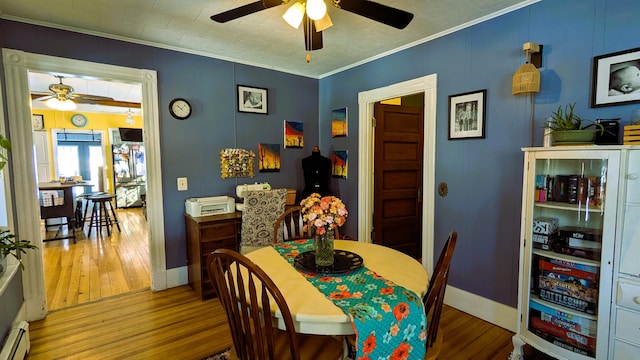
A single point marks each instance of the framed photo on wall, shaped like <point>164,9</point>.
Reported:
<point>467,115</point>
<point>252,99</point>
<point>37,120</point>
<point>616,78</point>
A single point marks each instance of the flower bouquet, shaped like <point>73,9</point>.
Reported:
<point>321,216</point>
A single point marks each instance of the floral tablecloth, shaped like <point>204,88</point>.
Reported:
<point>388,319</point>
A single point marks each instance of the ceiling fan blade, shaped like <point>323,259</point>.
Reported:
<point>312,37</point>
<point>244,10</point>
<point>90,97</point>
<point>42,97</point>
<point>387,15</point>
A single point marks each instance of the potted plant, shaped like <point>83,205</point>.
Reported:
<point>10,246</point>
<point>567,127</point>
<point>8,243</point>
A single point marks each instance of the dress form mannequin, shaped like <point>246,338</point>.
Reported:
<point>317,171</point>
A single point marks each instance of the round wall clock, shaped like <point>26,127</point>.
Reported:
<point>79,120</point>
<point>180,108</point>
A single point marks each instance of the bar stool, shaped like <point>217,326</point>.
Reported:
<point>82,206</point>
<point>102,213</point>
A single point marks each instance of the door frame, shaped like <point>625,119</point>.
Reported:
<point>366,99</point>
<point>16,66</point>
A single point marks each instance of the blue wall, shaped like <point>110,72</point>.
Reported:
<point>485,175</point>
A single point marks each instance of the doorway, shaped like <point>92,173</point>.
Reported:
<point>426,85</point>
<point>17,64</point>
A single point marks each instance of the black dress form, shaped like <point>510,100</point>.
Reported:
<point>317,172</point>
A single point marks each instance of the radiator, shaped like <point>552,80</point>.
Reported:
<point>17,345</point>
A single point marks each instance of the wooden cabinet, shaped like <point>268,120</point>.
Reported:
<point>567,250</point>
<point>204,235</point>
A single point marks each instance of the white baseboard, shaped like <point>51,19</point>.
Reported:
<point>177,277</point>
<point>488,310</point>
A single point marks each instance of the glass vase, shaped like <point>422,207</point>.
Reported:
<point>324,248</point>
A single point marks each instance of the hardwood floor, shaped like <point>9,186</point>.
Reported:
<point>99,266</point>
<point>175,324</point>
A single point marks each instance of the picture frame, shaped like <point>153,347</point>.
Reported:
<point>467,115</point>
<point>37,121</point>
<point>608,85</point>
<point>252,99</point>
<point>339,123</point>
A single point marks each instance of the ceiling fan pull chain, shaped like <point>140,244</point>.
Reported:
<point>336,3</point>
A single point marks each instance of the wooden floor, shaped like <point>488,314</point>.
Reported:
<point>175,324</point>
<point>99,266</point>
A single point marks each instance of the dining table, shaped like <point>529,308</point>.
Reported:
<point>313,311</point>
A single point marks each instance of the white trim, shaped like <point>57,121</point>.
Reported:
<point>177,277</point>
<point>428,86</point>
<point>488,310</point>
<point>16,65</point>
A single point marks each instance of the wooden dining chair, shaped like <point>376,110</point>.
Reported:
<point>247,293</point>
<point>434,298</point>
<point>261,210</point>
<point>289,226</point>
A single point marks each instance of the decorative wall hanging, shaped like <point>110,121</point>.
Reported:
<point>269,157</point>
<point>339,164</point>
<point>236,163</point>
<point>467,115</point>
<point>616,78</point>
<point>293,134</point>
<point>252,99</point>
<point>339,122</point>
<point>37,121</point>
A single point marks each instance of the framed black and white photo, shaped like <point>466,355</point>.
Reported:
<point>467,115</point>
<point>616,78</point>
<point>37,120</point>
<point>252,99</point>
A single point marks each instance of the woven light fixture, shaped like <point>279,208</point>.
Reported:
<point>527,79</point>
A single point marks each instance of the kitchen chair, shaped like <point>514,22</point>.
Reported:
<point>246,293</point>
<point>434,298</point>
<point>289,226</point>
<point>261,210</point>
<point>102,213</point>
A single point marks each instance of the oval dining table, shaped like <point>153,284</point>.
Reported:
<point>312,312</point>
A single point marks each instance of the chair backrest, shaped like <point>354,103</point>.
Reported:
<point>434,298</point>
<point>261,210</point>
<point>247,293</point>
<point>289,226</point>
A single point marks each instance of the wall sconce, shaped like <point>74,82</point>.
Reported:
<point>527,79</point>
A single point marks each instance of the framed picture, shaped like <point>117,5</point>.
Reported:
<point>293,134</point>
<point>339,164</point>
<point>339,122</point>
<point>467,115</point>
<point>37,120</point>
<point>252,99</point>
<point>616,78</point>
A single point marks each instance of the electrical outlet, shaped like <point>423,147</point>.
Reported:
<point>182,184</point>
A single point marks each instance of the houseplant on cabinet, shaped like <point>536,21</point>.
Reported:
<point>8,243</point>
<point>569,128</point>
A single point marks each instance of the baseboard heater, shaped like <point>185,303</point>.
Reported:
<point>17,345</point>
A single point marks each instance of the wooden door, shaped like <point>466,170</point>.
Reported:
<point>397,220</point>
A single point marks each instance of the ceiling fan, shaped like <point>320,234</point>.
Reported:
<point>313,27</point>
<point>63,97</point>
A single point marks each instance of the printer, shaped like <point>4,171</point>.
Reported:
<point>213,205</point>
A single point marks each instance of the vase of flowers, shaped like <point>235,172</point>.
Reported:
<point>322,216</point>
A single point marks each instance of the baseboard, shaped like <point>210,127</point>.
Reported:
<point>488,310</point>
<point>177,277</point>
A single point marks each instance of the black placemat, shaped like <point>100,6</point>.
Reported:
<point>343,261</point>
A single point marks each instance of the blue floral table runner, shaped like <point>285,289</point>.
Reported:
<point>388,319</point>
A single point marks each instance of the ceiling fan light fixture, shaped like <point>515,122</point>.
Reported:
<point>323,23</point>
<point>61,105</point>
<point>293,16</point>
<point>316,9</point>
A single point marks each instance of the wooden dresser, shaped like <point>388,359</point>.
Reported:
<point>204,235</point>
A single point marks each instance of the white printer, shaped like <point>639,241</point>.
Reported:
<point>213,205</point>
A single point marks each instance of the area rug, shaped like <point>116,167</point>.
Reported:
<point>223,355</point>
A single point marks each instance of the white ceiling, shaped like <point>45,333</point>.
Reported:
<point>261,39</point>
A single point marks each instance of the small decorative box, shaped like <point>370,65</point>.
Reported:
<point>545,225</point>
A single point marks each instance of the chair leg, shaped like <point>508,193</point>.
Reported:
<point>93,218</point>
<point>105,217</point>
<point>114,218</point>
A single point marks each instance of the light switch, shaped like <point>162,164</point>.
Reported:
<point>182,184</point>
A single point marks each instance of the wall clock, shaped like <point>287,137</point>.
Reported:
<point>180,108</point>
<point>79,120</point>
